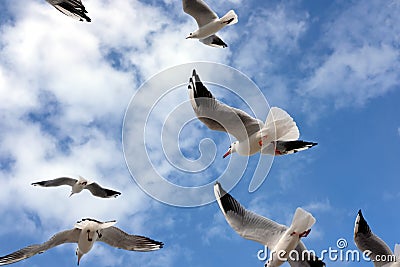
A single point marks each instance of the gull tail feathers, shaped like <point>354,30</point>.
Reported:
<point>230,18</point>
<point>302,221</point>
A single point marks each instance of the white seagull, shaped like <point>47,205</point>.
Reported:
<point>279,135</point>
<point>85,233</point>
<point>374,247</point>
<point>208,22</point>
<point>72,8</point>
<point>283,242</point>
<point>79,185</point>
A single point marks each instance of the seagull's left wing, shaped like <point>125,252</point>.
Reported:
<point>115,237</point>
<point>99,191</point>
<point>68,236</point>
<point>246,223</point>
<point>200,11</point>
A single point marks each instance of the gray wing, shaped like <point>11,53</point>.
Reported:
<point>99,191</point>
<point>57,182</point>
<point>365,239</point>
<point>306,258</point>
<point>214,41</point>
<point>200,11</point>
<point>246,223</point>
<point>218,116</point>
<point>115,237</point>
<point>68,236</point>
<point>72,8</point>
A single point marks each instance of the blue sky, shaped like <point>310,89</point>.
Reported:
<point>65,87</point>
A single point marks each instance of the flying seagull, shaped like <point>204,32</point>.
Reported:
<point>79,185</point>
<point>279,135</point>
<point>85,233</point>
<point>374,247</point>
<point>283,242</point>
<point>208,22</point>
<point>72,8</point>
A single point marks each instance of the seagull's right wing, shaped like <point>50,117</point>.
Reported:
<point>57,182</point>
<point>200,11</point>
<point>72,8</point>
<point>246,223</point>
<point>365,240</point>
<point>218,116</point>
<point>115,237</point>
<point>68,236</point>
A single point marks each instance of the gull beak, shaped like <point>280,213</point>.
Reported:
<point>188,37</point>
<point>227,153</point>
<point>79,257</point>
<point>71,194</point>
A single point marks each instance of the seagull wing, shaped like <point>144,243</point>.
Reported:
<point>306,258</point>
<point>200,11</point>
<point>72,8</point>
<point>115,237</point>
<point>218,116</point>
<point>280,125</point>
<point>57,182</point>
<point>68,236</point>
<point>99,191</point>
<point>246,223</point>
<point>365,239</point>
<point>214,41</point>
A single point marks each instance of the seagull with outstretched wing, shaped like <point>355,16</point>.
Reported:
<point>278,136</point>
<point>208,22</point>
<point>85,233</point>
<point>78,185</point>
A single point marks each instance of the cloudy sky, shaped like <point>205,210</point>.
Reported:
<point>65,86</point>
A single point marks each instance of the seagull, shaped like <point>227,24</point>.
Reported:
<point>208,22</point>
<point>85,233</point>
<point>72,8</point>
<point>279,135</point>
<point>374,247</point>
<point>283,242</point>
<point>79,185</point>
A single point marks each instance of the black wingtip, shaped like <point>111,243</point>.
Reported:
<point>363,226</point>
<point>194,72</point>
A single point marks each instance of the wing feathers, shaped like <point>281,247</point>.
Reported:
<point>115,237</point>
<point>246,223</point>
<point>68,236</point>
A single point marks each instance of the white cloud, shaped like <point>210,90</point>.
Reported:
<point>270,32</point>
<point>353,77</point>
<point>360,60</point>
<point>318,206</point>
